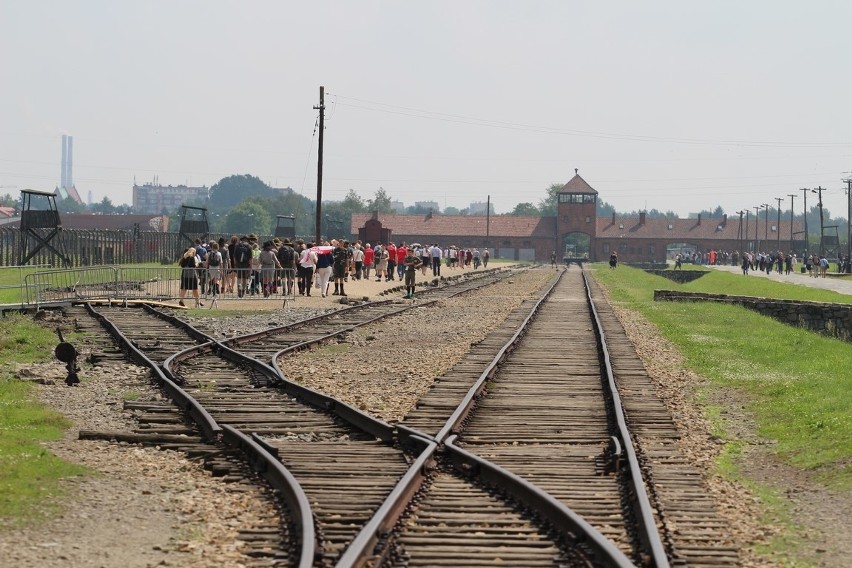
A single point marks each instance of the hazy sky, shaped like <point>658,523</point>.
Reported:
<point>674,105</point>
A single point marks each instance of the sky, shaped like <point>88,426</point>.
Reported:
<point>670,105</point>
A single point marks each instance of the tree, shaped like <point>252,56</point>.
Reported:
<point>232,190</point>
<point>69,206</point>
<point>105,206</point>
<point>6,200</point>
<point>525,209</point>
<point>451,211</point>
<point>248,217</point>
<point>354,203</point>
<point>547,207</point>
<point>381,202</point>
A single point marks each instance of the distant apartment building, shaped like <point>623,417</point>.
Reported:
<point>428,205</point>
<point>155,198</point>
<point>398,206</point>
<point>479,208</point>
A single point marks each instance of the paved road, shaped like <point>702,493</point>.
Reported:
<point>841,285</point>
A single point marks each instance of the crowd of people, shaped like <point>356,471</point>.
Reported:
<point>815,265</point>
<point>244,267</point>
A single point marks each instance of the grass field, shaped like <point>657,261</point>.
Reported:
<point>798,382</point>
<point>29,474</point>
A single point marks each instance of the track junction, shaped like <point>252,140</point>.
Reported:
<point>520,454</point>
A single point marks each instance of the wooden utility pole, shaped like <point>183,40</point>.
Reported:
<point>765,225</point>
<point>849,219</point>
<point>488,218</point>
<point>756,236</point>
<point>792,197</point>
<point>321,109</point>
<point>778,225</point>
<point>805,191</point>
<point>747,212</point>
<point>740,231</point>
<point>819,191</point>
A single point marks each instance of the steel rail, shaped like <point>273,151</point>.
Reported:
<point>209,427</point>
<point>560,516</point>
<point>382,522</point>
<point>464,408</point>
<point>649,536</point>
<point>260,458</point>
<point>264,461</point>
<point>346,412</point>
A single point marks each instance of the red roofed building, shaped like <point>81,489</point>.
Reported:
<point>576,232</point>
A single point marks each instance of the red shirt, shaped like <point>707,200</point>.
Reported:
<point>391,252</point>
<point>401,253</point>
<point>369,256</point>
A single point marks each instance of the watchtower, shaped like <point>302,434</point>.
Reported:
<point>193,225</point>
<point>40,225</point>
<point>576,219</point>
<point>286,226</point>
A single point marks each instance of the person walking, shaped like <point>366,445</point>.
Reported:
<point>486,256</point>
<point>269,266</point>
<point>410,264</point>
<point>287,257</point>
<point>369,259</point>
<point>358,259</point>
<point>391,262</point>
<point>215,268</point>
<point>340,261</point>
<point>323,271</point>
<point>242,264</point>
<point>401,253</point>
<point>189,276</point>
<point>381,263</point>
<point>435,252</point>
<point>307,263</point>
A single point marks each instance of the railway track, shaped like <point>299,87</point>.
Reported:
<point>555,468</point>
<point>546,410</point>
<point>229,393</point>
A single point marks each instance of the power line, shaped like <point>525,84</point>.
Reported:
<point>468,120</point>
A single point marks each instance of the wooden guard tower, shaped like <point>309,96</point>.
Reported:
<point>193,225</point>
<point>286,227</point>
<point>40,226</point>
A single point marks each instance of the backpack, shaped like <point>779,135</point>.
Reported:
<point>242,254</point>
<point>215,259</point>
<point>285,256</point>
<point>201,252</point>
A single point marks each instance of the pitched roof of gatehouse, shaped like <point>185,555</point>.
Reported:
<point>577,185</point>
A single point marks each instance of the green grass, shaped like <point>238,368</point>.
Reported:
<point>797,382</point>
<point>12,279</point>
<point>721,282</point>
<point>29,474</point>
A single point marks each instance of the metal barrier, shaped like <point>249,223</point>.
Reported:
<point>16,291</point>
<point>157,284</point>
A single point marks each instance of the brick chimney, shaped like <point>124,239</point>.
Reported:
<point>641,217</point>
<point>613,217</point>
<point>699,219</point>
